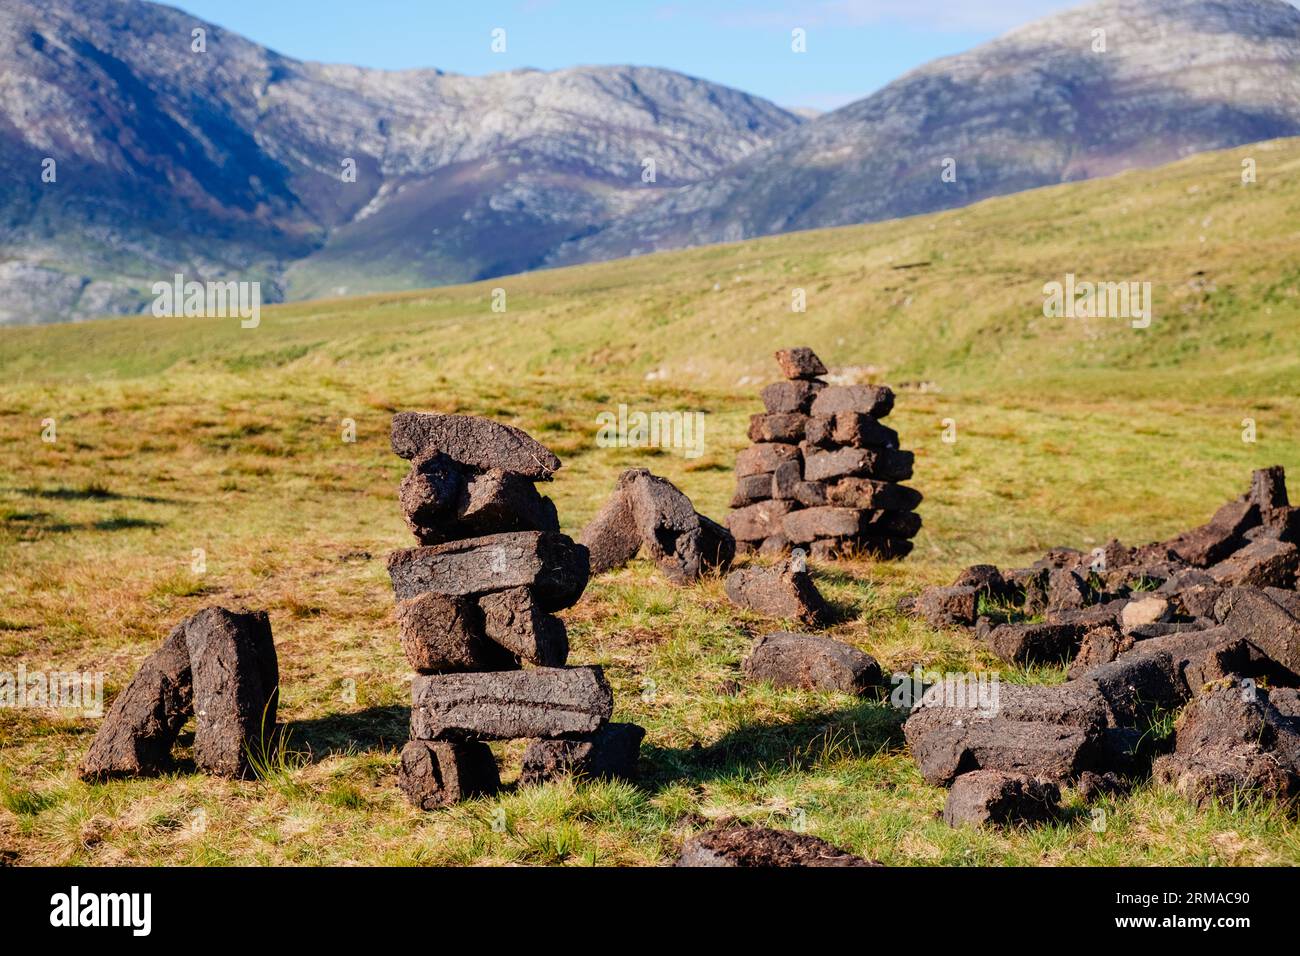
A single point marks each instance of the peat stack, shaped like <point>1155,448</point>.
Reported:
<point>476,605</point>
<point>823,473</point>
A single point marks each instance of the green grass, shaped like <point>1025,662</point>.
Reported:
<point>181,438</point>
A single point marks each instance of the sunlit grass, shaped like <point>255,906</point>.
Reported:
<point>197,464</point>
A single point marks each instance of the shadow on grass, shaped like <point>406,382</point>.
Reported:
<point>90,492</point>
<point>828,573</point>
<point>856,732</point>
<point>43,521</point>
<point>840,612</point>
<point>372,729</point>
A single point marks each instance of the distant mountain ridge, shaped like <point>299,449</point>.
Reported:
<point>231,163</point>
<point>1036,107</point>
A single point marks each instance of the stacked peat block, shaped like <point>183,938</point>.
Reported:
<point>823,473</point>
<point>217,666</point>
<point>740,845</point>
<point>1207,622</point>
<point>476,601</point>
<point>649,515</point>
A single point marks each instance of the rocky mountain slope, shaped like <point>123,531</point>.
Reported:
<point>233,161</point>
<point>1044,104</point>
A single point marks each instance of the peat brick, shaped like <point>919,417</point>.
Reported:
<point>819,430</point>
<point>1269,619</point>
<point>611,753</point>
<point>1134,687</point>
<point>1268,488</point>
<point>436,774</point>
<point>948,607</point>
<point>136,736</point>
<point>1281,523</point>
<point>236,688</point>
<point>867,493</point>
<point>946,743</point>
<point>810,662</point>
<point>998,798</point>
<point>1200,657</point>
<point>1197,601</point>
<point>800,363</point>
<point>876,401</point>
<point>1023,644</point>
<point>429,495</point>
<point>752,489</point>
<point>477,442</point>
<point>497,501</point>
<point>1100,645</point>
<point>790,398</point>
<point>1266,562</point>
<point>764,458</point>
<point>787,427</point>
<point>744,846</point>
<point>882,464</point>
<point>786,480</point>
<point>809,524</point>
<point>683,543</point>
<point>987,580</point>
<point>1067,590</point>
<point>811,494</point>
<point>1224,534</point>
<point>758,522</point>
<point>1050,732</point>
<point>442,633</point>
<point>512,620</point>
<point>539,702</point>
<point>1092,786</point>
<point>862,431</point>
<point>1236,741</point>
<point>781,591</point>
<point>612,539</point>
<point>551,564</point>
<point>826,549</point>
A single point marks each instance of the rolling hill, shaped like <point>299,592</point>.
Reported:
<point>181,437</point>
<point>956,297</point>
<point>231,162</point>
<point>235,161</point>
<point>1104,87</point>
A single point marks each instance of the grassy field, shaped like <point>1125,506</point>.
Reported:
<point>176,435</point>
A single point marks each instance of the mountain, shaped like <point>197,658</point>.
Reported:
<point>230,161</point>
<point>1036,107</point>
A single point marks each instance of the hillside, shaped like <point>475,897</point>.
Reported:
<point>176,435</point>
<point>1097,89</point>
<point>230,160</point>
<point>955,297</point>
<point>318,180</point>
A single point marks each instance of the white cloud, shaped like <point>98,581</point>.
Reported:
<point>943,16</point>
<point>940,15</point>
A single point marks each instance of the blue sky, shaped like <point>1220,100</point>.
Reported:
<point>854,46</point>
